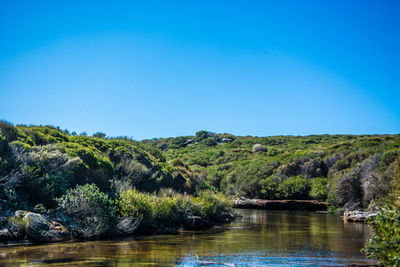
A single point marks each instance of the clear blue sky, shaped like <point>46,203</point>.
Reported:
<point>167,68</point>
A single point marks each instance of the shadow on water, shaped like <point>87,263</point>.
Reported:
<point>259,238</point>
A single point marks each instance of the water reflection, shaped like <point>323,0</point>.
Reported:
<point>258,239</point>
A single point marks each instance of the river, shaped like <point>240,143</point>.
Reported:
<point>259,238</point>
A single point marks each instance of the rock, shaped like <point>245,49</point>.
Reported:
<point>20,213</point>
<point>189,142</point>
<point>41,229</point>
<point>258,148</point>
<point>226,140</point>
<point>128,225</point>
<point>357,216</point>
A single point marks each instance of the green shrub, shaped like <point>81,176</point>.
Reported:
<point>165,209</point>
<point>135,203</point>
<point>17,223</point>
<point>385,242</point>
<point>187,206</point>
<point>91,209</point>
<point>389,156</point>
<point>210,141</point>
<point>269,188</point>
<point>296,187</point>
<point>171,207</point>
<point>319,189</point>
<point>40,208</point>
<point>20,144</point>
<point>201,135</point>
<point>213,205</point>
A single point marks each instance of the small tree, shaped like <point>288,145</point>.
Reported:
<point>201,135</point>
<point>135,203</point>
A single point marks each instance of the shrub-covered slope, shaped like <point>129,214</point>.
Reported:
<point>38,164</point>
<point>350,171</point>
<point>56,186</point>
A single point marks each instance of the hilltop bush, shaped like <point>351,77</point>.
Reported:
<point>7,130</point>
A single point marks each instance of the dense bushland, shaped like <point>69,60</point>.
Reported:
<point>38,164</point>
<point>103,183</point>
<point>348,171</point>
<point>43,167</point>
<point>97,181</point>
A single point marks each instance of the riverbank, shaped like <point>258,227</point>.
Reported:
<point>259,237</point>
<point>87,214</point>
<point>309,205</point>
<point>24,226</point>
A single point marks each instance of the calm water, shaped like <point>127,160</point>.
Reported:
<point>259,238</point>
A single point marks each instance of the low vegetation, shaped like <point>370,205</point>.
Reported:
<point>347,171</point>
<point>170,208</point>
<point>99,180</point>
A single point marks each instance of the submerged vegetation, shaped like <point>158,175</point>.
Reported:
<point>100,182</point>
